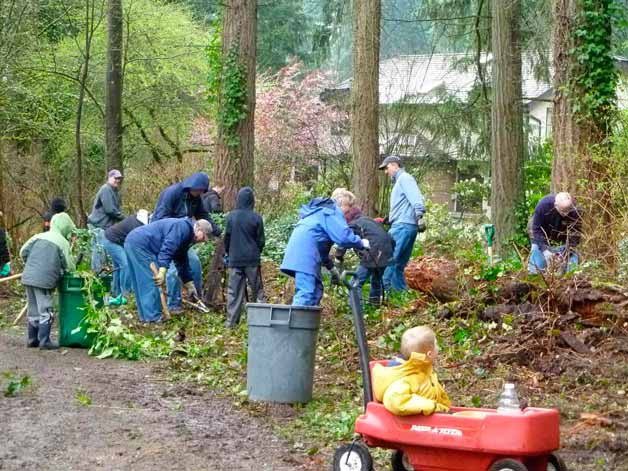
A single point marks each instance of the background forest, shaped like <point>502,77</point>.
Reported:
<point>492,105</point>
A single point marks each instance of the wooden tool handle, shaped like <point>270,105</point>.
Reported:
<point>9,278</point>
<point>162,296</point>
<point>20,315</point>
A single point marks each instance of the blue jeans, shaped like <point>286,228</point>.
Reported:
<point>404,236</point>
<point>121,280</point>
<point>309,290</point>
<point>99,257</point>
<point>537,262</point>
<point>146,293</point>
<point>173,283</point>
<point>375,275</point>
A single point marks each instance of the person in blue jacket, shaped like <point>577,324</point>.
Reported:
<point>406,211</point>
<point>162,242</point>
<point>321,224</point>
<point>184,199</point>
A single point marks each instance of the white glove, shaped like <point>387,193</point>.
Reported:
<point>549,255</point>
<point>366,244</point>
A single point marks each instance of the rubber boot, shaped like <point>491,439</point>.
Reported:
<point>44,337</point>
<point>33,330</point>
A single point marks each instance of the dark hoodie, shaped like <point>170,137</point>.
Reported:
<point>177,202</point>
<point>57,205</point>
<point>244,233</point>
<point>382,244</point>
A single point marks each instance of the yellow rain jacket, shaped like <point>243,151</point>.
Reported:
<point>410,388</point>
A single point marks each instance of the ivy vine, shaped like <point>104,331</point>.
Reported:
<point>227,87</point>
<point>595,76</point>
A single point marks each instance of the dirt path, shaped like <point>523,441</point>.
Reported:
<point>136,419</point>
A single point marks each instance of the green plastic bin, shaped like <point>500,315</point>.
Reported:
<point>281,352</point>
<point>72,299</point>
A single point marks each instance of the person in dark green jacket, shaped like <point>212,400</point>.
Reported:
<point>106,211</point>
<point>46,257</point>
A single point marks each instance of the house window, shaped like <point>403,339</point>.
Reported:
<point>548,122</point>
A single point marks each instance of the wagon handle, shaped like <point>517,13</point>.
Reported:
<point>350,280</point>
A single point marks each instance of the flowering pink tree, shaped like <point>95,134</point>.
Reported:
<point>294,131</point>
<point>293,126</point>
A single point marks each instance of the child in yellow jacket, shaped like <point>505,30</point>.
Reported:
<point>412,387</point>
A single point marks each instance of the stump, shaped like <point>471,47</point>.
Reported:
<point>434,276</point>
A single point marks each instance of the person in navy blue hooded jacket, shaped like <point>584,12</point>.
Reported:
<point>184,199</point>
<point>162,242</point>
<point>321,224</point>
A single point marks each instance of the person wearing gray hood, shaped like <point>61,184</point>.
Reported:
<point>244,242</point>
<point>106,211</point>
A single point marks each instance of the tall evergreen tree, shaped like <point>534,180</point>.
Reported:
<point>507,143</point>
<point>365,103</point>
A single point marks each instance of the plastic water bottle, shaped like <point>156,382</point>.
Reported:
<point>508,401</point>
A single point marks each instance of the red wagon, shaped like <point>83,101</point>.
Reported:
<point>467,439</point>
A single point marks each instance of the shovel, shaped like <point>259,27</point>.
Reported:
<point>489,233</point>
<point>162,296</point>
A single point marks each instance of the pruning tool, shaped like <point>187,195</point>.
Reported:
<point>197,304</point>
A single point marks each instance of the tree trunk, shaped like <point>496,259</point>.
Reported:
<point>566,132</point>
<point>234,164</point>
<point>365,104</point>
<point>507,143</point>
<point>583,115</point>
<point>113,105</point>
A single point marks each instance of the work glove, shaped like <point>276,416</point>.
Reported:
<point>335,276</point>
<point>191,290</point>
<point>421,225</point>
<point>549,255</point>
<point>160,277</point>
<point>225,259</point>
<point>5,270</point>
<point>366,244</point>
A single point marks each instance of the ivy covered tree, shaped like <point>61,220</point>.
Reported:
<point>585,82</point>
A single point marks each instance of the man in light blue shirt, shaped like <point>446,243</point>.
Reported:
<point>406,211</point>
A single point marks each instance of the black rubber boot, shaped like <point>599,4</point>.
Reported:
<point>33,341</point>
<point>44,337</point>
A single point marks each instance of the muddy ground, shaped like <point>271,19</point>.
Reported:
<point>136,420</point>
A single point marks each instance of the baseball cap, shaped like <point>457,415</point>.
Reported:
<point>113,173</point>
<point>389,160</point>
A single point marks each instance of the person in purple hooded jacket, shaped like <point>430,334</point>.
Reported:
<point>321,224</point>
<point>184,200</point>
<point>555,231</point>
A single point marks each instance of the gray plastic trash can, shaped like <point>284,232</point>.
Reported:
<point>282,349</point>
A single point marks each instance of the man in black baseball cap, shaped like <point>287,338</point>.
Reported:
<point>406,210</point>
<point>106,211</point>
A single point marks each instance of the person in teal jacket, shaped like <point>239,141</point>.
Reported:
<point>5,258</point>
<point>321,224</point>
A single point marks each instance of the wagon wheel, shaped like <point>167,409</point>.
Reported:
<point>353,457</point>
<point>556,463</point>
<point>508,465</point>
<point>399,461</point>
